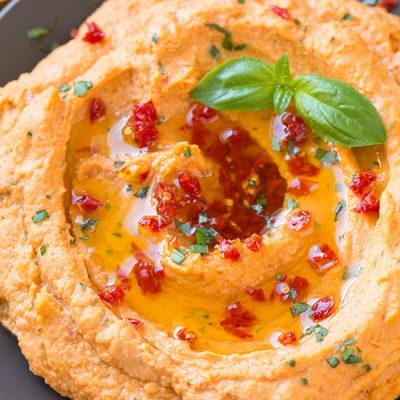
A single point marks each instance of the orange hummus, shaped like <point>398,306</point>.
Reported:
<point>155,248</point>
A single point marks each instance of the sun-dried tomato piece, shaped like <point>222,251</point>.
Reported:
<point>287,338</point>
<point>361,181</point>
<point>322,257</point>
<point>299,220</point>
<point>200,114</point>
<point>294,128</point>
<point>166,203</point>
<point>299,165</point>
<point>143,123</point>
<point>88,203</point>
<point>115,294</point>
<point>301,187</point>
<point>322,309</point>
<point>155,223</point>
<point>254,242</point>
<point>255,294</point>
<point>228,249</point>
<point>281,12</point>
<point>369,203</point>
<point>183,334</point>
<point>135,322</point>
<point>190,184</point>
<point>97,110</point>
<point>299,284</point>
<point>237,138</point>
<point>388,4</point>
<point>236,318</point>
<point>94,33</point>
<point>147,277</point>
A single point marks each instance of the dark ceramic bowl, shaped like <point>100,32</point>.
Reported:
<point>19,54</point>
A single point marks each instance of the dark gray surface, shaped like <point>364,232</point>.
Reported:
<point>20,55</point>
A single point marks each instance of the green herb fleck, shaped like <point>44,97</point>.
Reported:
<point>227,41</point>
<point>203,218</point>
<point>348,17</point>
<point>64,88</point>
<point>276,144</point>
<point>88,225</point>
<point>29,134</point>
<point>142,193</point>
<point>154,38</point>
<point>258,208</point>
<point>118,164</point>
<point>333,361</point>
<point>214,52</point>
<point>178,255</point>
<point>251,183</point>
<point>319,331</point>
<point>340,206</point>
<point>199,248</point>
<point>117,234</point>
<point>349,357</point>
<point>160,120</point>
<point>40,31</point>
<point>42,249</point>
<point>291,363</point>
<point>367,367</point>
<point>327,157</point>
<point>297,21</point>
<point>241,1</point>
<point>82,87</point>
<point>129,188</point>
<point>40,216</point>
<point>185,228</point>
<point>303,381</point>
<point>299,308</point>
<point>292,203</point>
<point>187,153</point>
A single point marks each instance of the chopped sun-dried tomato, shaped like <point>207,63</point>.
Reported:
<point>143,123</point>
<point>322,257</point>
<point>253,242</point>
<point>237,138</point>
<point>287,339</point>
<point>228,249</point>
<point>281,12</point>
<point>135,322</point>
<point>255,294</point>
<point>369,203</point>
<point>291,289</point>
<point>88,203</point>
<point>190,184</point>
<point>299,220</point>
<point>236,318</point>
<point>94,33</point>
<point>155,223</point>
<point>322,309</point>
<point>97,110</point>
<point>294,128</point>
<point>114,294</point>
<point>388,4</point>
<point>301,187</point>
<point>147,277</point>
<point>361,181</point>
<point>183,334</point>
<point>200,114</point>
<point>299,165</point>
<point>166,201</point>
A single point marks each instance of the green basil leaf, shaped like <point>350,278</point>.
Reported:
<point>282,73</point>
<point>242,84</point>
<point>282,99</point>
<point>338,112</point>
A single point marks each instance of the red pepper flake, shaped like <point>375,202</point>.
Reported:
<point>97,110</point>
<point>88,203</point>
<point>183,334</point>
<point>255,294</point>
<point>361,181</point>
<point>155,223</point>
<point>254,242</point>
<point>322,257</point>
<point>236,318</point>
<point>294,128</point>
<point>94,33</point>
<point>301,187</point>
<point>135,322</point>
<point>190,184</point>
<point>281,12</point>
<point>322,309</point>
<point>369,203</point>
<point>299,165</point>
<point>388,4</point>
<point>147,277</point>
<point>114,294</point>
<point>143,122</point>
<point>288,338</point>
<point>299,220</point>
<point>228,249</point>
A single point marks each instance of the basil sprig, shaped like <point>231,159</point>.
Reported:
<point>334,109</point>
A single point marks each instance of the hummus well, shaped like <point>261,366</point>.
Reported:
<point>155,248</point>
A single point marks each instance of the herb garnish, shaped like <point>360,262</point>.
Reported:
<point>291,363</point>
<point>88,225</point>
<point>292,203</point>
<point>42,249</point>
<point>118,164</point>
<point>334,110</point>
<point>348,17</point>
<point>183,227</point>
<point>303,381</point>
<point>319,331</point>
<point>142,193</point>
<point>178,255</point>
<point>227,41</point>
<point>187,153</point>
<point>64,88</point>
<point>199,248</point>
<point>327,157</point>
<point>214,52</point>
<point>81,88</point>
<point>299,308</point>
<point>338,209</point>
<point>333,361</point>
<point>40,216</point>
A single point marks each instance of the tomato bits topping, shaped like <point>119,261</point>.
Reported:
<point>114,295</point>
<point>228,249</point>
<point>254,243</point>
<point>362,185</point>
<point>88,204</point>
<point>97,110</point>
<point>321,309</point>
<point>299,165</point>
<point>294,128</point>
<point>368,204</point>
<point>237,320</point>
<point>361,181</point>
<point>190,184</point>
<point>255,294</point>
<point>299,220</point>
<point>322,257</point>
<point>281,12</point>
<point>94,34</point>
<point>148,278</point>
<point>182,333</point>
<point>143,123</point>
<point>287,339</point>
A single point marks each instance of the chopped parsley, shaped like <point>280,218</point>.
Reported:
<point>187,153</point>
<point>367,367</point>
<point>297,21</point>
<point>42,250</point>
<point>199,248</point>
<point>303,381</point>
<point>319,331</point>
<point>214,52</point>
<point>118,164</point>
<point>64,88</point>
<point>205,235</point>
<point>40,31</point>
<point>203,218</point>
<point>292,203</point>
<point>88,225</point>
<point>251,183</point>
<point>330,157</point>
<point>348,17</point>
<point>349,357</point>
<point>333,361</point>
<point>276,144</point>
<point>81,88</point>
<point>154,38</point>
<point>117,234</point>
<point>40,216</point>
<point>185,228</point>
<point>241,1</point>
<point>227,41</point>
<point>298,308</point>
<point>178,255</point>
<point>291,147</point>
<point>29,134</point>
<point>142,193</point>
<point>262,200</point>
<point>258,208</point>
<point>129,188</point>
<point>340,206</point>
<point>291,363</point>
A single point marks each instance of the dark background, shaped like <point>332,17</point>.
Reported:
<point>18,54</point>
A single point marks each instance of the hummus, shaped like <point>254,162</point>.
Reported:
<point>155,248</point>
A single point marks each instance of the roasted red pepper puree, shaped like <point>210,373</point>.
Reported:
<point>254,193</point>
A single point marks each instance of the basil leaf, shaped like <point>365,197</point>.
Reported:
<point>338,112</point>
<point>282,99</point>
<point>242,84</point>
<point>282,73</point>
